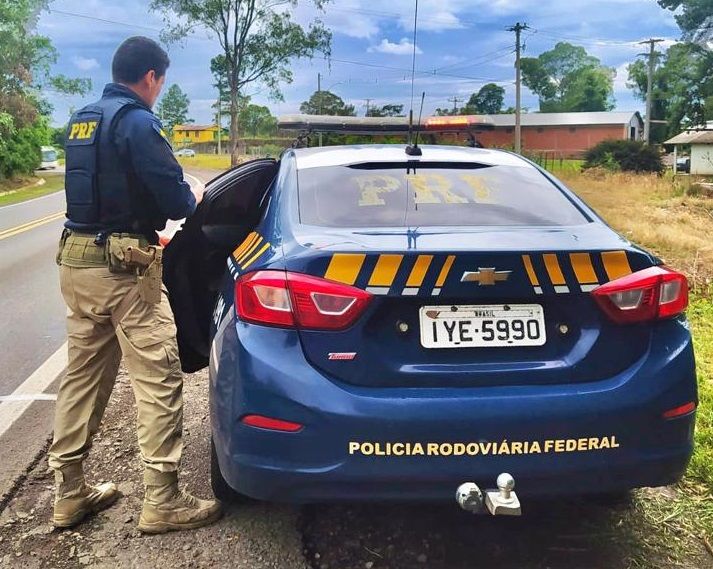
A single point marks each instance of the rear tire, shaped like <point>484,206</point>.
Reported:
<point>221,489</point>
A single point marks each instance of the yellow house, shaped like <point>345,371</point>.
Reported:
<point>194,133</point>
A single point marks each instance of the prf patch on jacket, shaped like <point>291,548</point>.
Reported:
<point>83,129</point>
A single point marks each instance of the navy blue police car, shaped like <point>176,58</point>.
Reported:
<point>383,325</point>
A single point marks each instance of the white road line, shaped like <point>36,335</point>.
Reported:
<point>187,175</point>
<point>53,194</point>
<point>38,382</point>
<point>29,397</point>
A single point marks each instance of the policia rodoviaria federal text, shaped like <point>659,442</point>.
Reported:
<point>122,184</point>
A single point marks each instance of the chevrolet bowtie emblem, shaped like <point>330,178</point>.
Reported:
<point>485,277</point>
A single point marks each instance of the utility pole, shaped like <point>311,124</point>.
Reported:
<point>649,84</point>
<point>455,101</point>
<point>319,102</point>
<point>220,118</point>
<point>367,105</point>
<point>220,126</point>
<point>518,28</point>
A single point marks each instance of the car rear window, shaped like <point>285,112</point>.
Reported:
<point>428,194</point>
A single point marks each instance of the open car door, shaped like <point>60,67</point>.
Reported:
<point>195,259</point>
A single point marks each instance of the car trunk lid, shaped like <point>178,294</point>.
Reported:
<point>416,274</point>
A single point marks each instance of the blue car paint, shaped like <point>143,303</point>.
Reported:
<point>264,370</point>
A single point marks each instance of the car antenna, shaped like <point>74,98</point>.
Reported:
<point>414,150</point>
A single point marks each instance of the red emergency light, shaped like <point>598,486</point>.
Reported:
<point>456,123</point>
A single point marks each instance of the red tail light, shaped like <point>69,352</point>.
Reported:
<point>271,424</point>
<point>278,298</point>
<point>680,411</point>
<point>651,294</point>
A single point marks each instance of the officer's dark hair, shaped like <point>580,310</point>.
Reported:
<point>135,57</point>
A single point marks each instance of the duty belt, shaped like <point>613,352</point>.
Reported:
<point>121,253</point>
<point>85,250</point>
<point>80,250</point>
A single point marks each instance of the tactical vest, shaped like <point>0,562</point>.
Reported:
<point>97,182</point>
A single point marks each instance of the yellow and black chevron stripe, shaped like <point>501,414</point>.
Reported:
<point>563,272</point>
<point>250,250</point>
<point>615,265</point>
<point>347,267</point>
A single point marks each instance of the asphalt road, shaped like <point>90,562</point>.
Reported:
<point>32,307</point>
<point>32,310</point>
<point>33,331</point>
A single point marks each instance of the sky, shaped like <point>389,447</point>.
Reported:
<point>460,44</point>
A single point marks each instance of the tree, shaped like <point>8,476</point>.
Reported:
<point>257,120</point>
<point>222,103</point>
<point>487,101</point>
<point>682,91</point>
<point>257,38</point>
<point>24,71</point>
<point>386,111</point>
<point>694,17</point>
<point>327,103</point>
<point>173,108</point>
<point>567,78</point>
<point>446,112</point>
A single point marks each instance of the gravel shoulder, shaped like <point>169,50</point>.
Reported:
<point>253,536</point>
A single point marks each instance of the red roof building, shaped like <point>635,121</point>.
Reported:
<point>564,135</point>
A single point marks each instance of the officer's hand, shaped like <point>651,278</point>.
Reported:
<point>198,191</point>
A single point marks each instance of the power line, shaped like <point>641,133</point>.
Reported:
<point>350,62</point>
<point>588,41</point>
<point>118,23</point>
<point>489,56</point>
<point>404,16</point>
<point>418,72</point>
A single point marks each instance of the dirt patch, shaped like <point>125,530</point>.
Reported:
<point>575,534</point>
<point>253,536</point>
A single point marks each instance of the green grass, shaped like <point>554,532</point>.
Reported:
<point>568,166</point>
<point>207,161</point>
<point>700,314</point>
<point>11,193</point>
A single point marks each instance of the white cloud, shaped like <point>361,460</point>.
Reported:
<point>85,63</point>
<point>622,75</point>
<point>404,47</point>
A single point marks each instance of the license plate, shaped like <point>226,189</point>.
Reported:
<point>482,326</point>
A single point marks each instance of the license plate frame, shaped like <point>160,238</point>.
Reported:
<point>465,326</point>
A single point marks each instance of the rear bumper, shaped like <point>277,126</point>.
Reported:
<point>361,444</point>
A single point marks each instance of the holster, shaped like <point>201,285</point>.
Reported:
<point>150,272</point>
<point>128,253</point>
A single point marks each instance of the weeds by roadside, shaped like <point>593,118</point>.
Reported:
<point>656,212</point>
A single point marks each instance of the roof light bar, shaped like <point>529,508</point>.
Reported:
<point>383,125</point>
<point>457,122</point>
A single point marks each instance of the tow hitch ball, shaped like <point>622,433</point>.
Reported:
<point>500,502</point>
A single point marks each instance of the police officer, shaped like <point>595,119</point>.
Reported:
<point>122,184</point>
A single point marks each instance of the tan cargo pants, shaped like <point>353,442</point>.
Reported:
<point>107,318</point>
